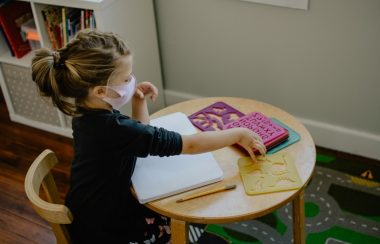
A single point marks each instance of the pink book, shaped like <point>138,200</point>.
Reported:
<point>271,133</point>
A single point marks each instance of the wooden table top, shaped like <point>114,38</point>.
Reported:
<point>236,205</point>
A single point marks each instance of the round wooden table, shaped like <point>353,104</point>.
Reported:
<point>236,205</point>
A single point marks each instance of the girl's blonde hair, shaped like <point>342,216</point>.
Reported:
<point>86,61</point>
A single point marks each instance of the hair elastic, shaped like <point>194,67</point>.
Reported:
<point>57,60</point>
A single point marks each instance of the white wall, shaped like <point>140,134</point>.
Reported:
<point>321,65</point>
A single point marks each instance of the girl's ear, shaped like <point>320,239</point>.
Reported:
<point>98,91</point>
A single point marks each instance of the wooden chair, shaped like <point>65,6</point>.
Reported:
<point>52,211</point>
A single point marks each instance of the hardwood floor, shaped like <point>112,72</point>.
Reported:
<point>19,145</point>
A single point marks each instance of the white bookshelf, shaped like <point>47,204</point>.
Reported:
<point>133,20</point>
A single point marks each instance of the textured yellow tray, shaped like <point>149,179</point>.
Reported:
<point>271,173</point>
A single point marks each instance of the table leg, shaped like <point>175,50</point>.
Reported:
<point>180,231</point>
<point>299,218</point>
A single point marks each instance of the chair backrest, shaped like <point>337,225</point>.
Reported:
<point>52,211</point>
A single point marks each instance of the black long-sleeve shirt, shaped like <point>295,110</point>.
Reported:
<point>106,145</point>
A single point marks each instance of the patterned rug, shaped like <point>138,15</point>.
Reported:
<point>342,205</point>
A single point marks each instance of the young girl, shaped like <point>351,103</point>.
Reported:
<point>90,79</point>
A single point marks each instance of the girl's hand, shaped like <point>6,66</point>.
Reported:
<point>251,140</point>
<point>213,140</point>
<point>146,89</point>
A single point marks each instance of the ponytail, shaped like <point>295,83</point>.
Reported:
<point>44,69</point>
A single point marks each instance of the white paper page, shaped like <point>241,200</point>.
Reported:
<point>157,177</point>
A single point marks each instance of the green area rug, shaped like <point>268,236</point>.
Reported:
<point>342,205</point>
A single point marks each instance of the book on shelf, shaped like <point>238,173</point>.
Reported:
<point>82,20</point>
<point>64,29</point>
<point>12,15</point>
<point>72,22</point>
<point>50,31</point>
<point>30,33</point>
<point>52,17</point>
<point>2,34</point>
<point>63,23</point>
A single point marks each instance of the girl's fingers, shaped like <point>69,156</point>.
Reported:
<point>139,93</point>
<point>252,155</point>
<point>154,94</point>
<point>261,148</point>
<point>153,97</point>
<point>258,143</point>
<point>148,89</point>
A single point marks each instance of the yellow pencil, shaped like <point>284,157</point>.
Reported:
<point>203,193</point>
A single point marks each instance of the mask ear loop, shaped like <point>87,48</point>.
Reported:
<point>108,81</point>
<point>131,78</point>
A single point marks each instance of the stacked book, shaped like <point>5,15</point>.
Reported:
<point>13,14</point>
<point>63,23</point>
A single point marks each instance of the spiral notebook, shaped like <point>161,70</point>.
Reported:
<point>158,177</point>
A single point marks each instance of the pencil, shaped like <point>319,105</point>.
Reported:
<point>207,192</point>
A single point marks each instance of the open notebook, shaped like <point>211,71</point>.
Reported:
<point>157,177</point>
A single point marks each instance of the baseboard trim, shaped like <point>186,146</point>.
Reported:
<point>344,139</point>
<point>325,135</point>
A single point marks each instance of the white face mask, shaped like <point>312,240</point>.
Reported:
<point>125,92</point>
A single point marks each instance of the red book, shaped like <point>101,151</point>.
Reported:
<point>271,133</point>
<point>12,15</point>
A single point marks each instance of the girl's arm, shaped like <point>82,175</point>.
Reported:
<point>210,141</point>
<point>140,110</point>
<point>139,105</point>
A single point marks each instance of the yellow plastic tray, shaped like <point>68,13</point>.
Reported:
<point>271,173</point>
